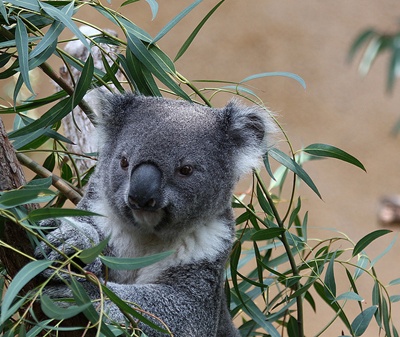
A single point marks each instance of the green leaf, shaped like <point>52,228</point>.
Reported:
<point>65,19</point>
<point>154,8</point>
<point>3,12</point>
<point>267,234</point>
<point>350,295</point>
<point>89,255</point>
<point>27,273</point>
<point>269,74</point>
<point>28,4</point>
<point>293,327</point>
<point>21,40</point>
<point>137,47</point>
<point>52,213</point>
<point>51,35</point>
<point>324,150</point>
<point>362,264</point>
<point>361,322</point>
<point>359,41</point>
<point>394,66</point>
<point>51,310</point>
<point>394,282</point>
<point>25,196</point>
<point>395,298</point>
<point>191,37</point>
<point>174,21</point>
<point>367,239</point>
<point>84,81</point>
<point>288,162</point>
<point>266,207</point>
<point>370,54</point>
<point>119,263</point>
<point>329,280</point>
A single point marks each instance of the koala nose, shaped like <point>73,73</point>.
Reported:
<point>145,187</point>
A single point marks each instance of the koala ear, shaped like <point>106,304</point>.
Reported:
<point>250,130</point>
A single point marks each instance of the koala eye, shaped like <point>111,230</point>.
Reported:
<point>124,163</point>
<point>186,170</point>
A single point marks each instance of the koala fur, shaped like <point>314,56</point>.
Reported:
<point>164,182</point>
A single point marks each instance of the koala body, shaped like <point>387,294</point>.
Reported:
<point>164,182</point>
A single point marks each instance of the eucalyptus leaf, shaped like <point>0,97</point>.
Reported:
<point>51,310</point>
<point>361,322</point>
<point>119,263</point>
<point>325,150</point>
<point>367,239</point>
<point>267,234</point>
<point>277,73</point>
<point>26,274</point>
<point>52,213</point>
<point>25,196</point>
<point>288,162</point>
<point>350,295</point>
<point>90,254</point>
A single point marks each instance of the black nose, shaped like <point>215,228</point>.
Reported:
<point>145,187</point>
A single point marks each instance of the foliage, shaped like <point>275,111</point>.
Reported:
<point>374,44</point>
<point>275,269</point>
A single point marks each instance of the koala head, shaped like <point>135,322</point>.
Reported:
<point>168,164</point>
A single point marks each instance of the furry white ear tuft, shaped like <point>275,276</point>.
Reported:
<point>251,129</point>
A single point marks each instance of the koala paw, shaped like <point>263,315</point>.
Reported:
<point>67,240</point>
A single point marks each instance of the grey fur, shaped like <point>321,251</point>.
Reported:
<point>191,156</point>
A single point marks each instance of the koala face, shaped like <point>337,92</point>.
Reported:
<point>165,164</point>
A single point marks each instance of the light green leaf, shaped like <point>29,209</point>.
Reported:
<point>119,263</point>
<point>395,298</point>
<point>367,239</point>
<point>350,295</point>
<point>28,4</point>
<point>394,282</point>
<point>51,35</point>
<point>21,41</point>
<point>191,37</point>
<point>267,234</point>
<point>362,264</point>
<point>154,7</point>
<point>361,322</point>
<point>51,310</point>
<point>174,21</point>
<point>385,251</point>
<point>89,255</point>
<point>370,54</point>
<point>277,73</point>
<point>288,162</point>
<point>324,150</point>
<point>359,41</point>
<point>27,273</point>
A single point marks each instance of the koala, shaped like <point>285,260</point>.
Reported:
<point>164,182</point>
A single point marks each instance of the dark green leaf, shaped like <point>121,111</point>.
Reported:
<point>359,41</point>
<point>119,263</point>
<point>330,284</point>
<point>293,327</point>
<point>262,200</point>
<point>84,81</point>
<point>288,162</point>
<point>89,255</point>
<point>361,322</point>
<point>51,213</point>
<point>284,74</point>
<point>174,21</point>
<point>51,310</point>
<point>65,19</point>
<point>25,196</point>
<point>21,40</point>
<point>268,167</point>
<point>324,150</point>
<point>367,239</point>
<point>267,234</point>
<point>3,12</point>
<point>27,273</point>
<point>191,37</point>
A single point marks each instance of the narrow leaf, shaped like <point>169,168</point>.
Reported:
<point>350,295</point>
<point>51,310</point>
<point>330,284</point>
<point>288,162</point>
<point>269,74</point>
<point>191,37</point>
<point>27,273</point>
<point>21,40</point>
<point>361,322</point>
<point>89,255</point>
<point>118,263</point>
<point>267,234</point>
<point>51,213</point>
<point>25,196</point>
<point>324,150</point>
<point>154,7</point>
<point>174,21</point>
<point>367,239</point>
<point>359,41</point>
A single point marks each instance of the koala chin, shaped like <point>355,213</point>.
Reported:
<point>164,182</point>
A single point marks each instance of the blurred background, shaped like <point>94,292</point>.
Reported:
<point>338,107</point>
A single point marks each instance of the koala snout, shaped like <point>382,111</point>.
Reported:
<point>145,187</point>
